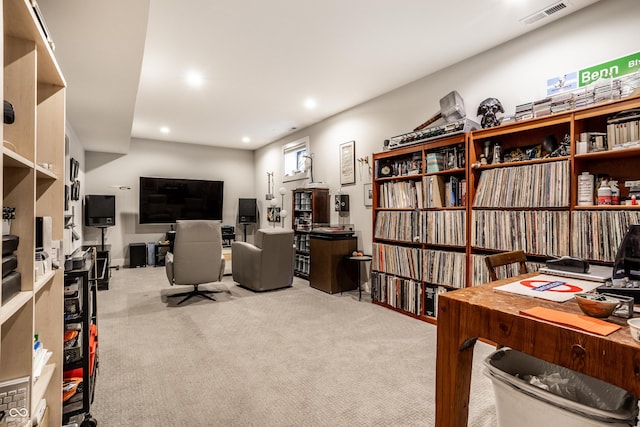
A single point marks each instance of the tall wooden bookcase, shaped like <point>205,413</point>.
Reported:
<point>421,249</point>
<point>419,224</point>
<point>310,209</point>
<point>32,181</point>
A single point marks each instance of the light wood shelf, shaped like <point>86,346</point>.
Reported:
<point>33,164</point>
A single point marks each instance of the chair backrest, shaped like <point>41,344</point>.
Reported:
<point>505,258</point>
<point>197,252</point>
<point>276,244</point>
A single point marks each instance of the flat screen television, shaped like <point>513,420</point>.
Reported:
<point>166,200</point>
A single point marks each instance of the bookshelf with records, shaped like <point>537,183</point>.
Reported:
<point>419,220</point>
<point>598,224</point>
<point>531,184</point>
<point>520,179</point>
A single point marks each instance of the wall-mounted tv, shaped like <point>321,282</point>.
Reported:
<point>165,200</point>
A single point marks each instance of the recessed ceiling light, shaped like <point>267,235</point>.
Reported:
<point>194,79</point>
<point>246,139</point>
<point>310,103</point>
<point>165,129</point>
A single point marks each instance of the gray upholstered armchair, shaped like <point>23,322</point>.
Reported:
<point>196,257</point>
<point>267,264</point>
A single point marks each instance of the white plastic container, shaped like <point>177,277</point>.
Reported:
<point>604,193</point>
<point>585,189</point>
<point>615,192</point>
<point>521,404</point>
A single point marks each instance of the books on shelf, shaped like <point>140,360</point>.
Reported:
<point>536,232</point>
<point>538,185</point>
<point>623,129</point>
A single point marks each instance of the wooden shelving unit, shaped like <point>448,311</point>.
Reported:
<point>33,167</point>
<point>310,210</point>
<point>413,245</point>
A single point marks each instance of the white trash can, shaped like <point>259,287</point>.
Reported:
<point>577,401</point>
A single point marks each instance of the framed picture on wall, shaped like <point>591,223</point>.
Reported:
<point>368,194</point>
<point>348,163</point>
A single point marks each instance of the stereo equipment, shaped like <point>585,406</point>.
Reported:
<point>247,211</point>
<point>342,202</point>
<point>435,132</point>
<point>99,210</point>
<point>450,120</point>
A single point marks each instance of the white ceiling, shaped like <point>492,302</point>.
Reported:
<point>125,61</point>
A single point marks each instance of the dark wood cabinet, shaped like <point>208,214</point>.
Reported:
<point>331,271</point>
<point>310,210</point>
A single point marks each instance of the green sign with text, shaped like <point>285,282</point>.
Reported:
<point>611,69</point>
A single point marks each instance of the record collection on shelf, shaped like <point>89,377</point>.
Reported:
<point>444,268</point>
<point>538,232</point>
<point>444,227</point>
<point>596,235</point>
<point>480,274</point>
<point>400,226</point>
<point>536,185</point>
<point>401,195</point>
<point>398,292</point>
<point>399,260</point>
<point>428,238</point>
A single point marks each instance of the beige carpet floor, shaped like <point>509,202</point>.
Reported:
<point>292,357</point>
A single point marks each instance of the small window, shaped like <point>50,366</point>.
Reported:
<point>295,160</point>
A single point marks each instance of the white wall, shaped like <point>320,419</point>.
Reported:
<point>514,72</point>
<point>153,158</point>
<point>74,150</point>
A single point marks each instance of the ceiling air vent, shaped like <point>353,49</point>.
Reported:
<point>550,10</point>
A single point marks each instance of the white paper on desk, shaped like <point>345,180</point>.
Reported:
<point>552,288</point>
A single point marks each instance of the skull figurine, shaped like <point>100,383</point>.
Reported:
<point>488,110</point>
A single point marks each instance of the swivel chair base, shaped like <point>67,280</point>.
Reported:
<point>193,293</point>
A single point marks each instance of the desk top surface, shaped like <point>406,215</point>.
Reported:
<point>484,296</point>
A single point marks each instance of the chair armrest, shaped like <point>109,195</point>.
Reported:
<point>245,262</point>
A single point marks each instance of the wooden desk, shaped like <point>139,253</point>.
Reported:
<point>480,312</point>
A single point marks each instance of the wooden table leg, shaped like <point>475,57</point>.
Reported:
<point>454,360</point>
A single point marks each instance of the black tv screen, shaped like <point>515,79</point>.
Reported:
<point>165,200</point>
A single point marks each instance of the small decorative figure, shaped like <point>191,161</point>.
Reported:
<point>497,153</point>
<point>488,109</point>
<point>564,149</point>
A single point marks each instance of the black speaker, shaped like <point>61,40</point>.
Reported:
<point>99,210</point>
<point>137,255</point>
<point>247,211</point>
<point>342,203</point>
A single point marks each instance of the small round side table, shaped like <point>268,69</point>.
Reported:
<point>358,260</point>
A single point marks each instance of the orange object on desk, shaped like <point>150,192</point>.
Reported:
<point>585,323</point>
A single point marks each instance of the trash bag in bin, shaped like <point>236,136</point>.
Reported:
<point>532,392</point>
